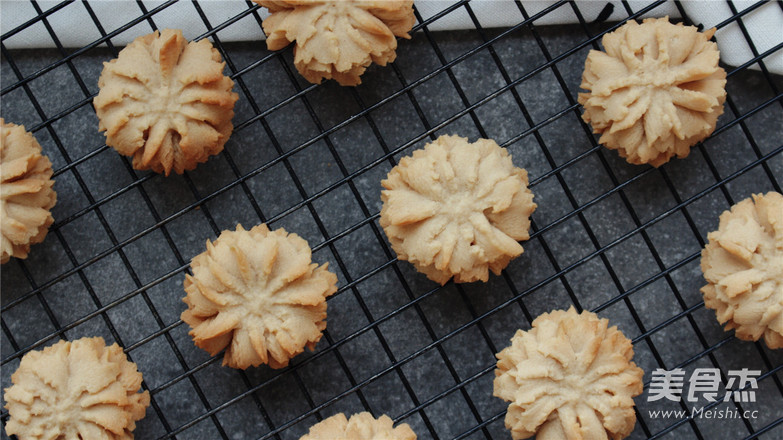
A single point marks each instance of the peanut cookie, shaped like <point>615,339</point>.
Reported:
<point>339,38</point>
<point>655,92</point>
<point>257,294</point>
<point>457,209</point>
<point>743,266</point>
<point>165,102</point>
<point>76,390</point>
<point>26,194</point>
<point>570,376</point>
<point>360,426</point>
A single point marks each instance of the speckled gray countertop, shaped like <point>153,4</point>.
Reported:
<point>617,238</point>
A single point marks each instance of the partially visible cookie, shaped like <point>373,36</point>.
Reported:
<point>569,377</point>
<point>743,266</point>
<point>655,91</point>
<point>75,390</point>
<point>26,194</point>
<point>258,295</point>
<point>165,102</point>
<point>360,426</point>
<point>457,209</point>
<point>338,38</point>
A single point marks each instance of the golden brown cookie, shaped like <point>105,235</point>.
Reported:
<point>360,426</point>
<point>257,294</point>
<point>457,209</point>
<point>743,266</point>
<point>165,102</point>
<point>26,194</point>
<point>655,91</point>
<point>75,390</point>
<point>337,38</point>
<point>570,376</point>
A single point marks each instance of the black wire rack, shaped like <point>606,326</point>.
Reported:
<point>620,240</point>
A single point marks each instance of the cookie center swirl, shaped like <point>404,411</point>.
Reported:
<point>655,78</point>
<point>459,207</point>
<point>256,302</point>
<point>165,100</point>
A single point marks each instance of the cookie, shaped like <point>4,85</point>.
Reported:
<point>337,39</point>
<point>360,426</point>
<point>457,209</point>
<point>257,294</point>
<point>75,390</point>
<point>655,91</point>
<point>569,376</point>
<point>25,191</point>
<point>165,102</point>
<point>743,265</point>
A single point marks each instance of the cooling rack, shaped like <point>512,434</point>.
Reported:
<point>620,240</point>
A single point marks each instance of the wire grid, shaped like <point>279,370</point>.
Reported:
<point>257,393</point>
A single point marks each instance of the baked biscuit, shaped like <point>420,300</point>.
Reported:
<point>655,92</point>
<point>743,266</point>
<point>457,209</point>
<point>360,426</point>
<point>165,102</point>
<point>26,194</point>
<point>257,294</point>
<point>337,38</point>
<point>75,390</point>
<point>570,376</point>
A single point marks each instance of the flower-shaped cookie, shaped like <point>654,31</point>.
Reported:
<point>360,426</point>
<point>570,376</point>
<point>165,102</point>
<point>655,92</point>
<point>257,294</point>
<point>743,266</point>
<point>26,194</point>
<point>75,390</point>
<point>338,38</point>
<point>456,209</point>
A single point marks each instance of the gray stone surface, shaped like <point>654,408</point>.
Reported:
<point>114,262</point>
